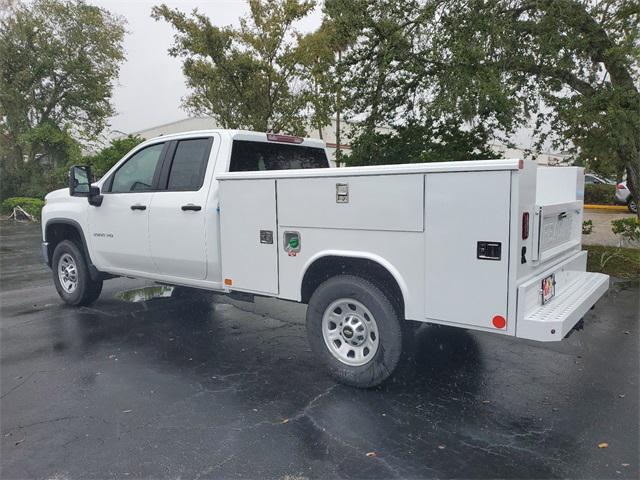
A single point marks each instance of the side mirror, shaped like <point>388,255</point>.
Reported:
<point>80,185</point>
<point>79,180</point>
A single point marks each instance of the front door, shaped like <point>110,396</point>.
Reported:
<point>119,227</point>
<point>178,214</point>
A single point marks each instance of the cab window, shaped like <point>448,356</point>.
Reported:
<point>136,174</point>
<point>189,164</point>
<point>247,156</point>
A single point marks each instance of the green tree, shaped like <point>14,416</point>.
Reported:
<point>573,64</point>
<point>58,62</point>
<point>244,77</point>
<point>568,65</point>
<point>429,141</point>
<point>106,158</point>
<point>316,60</point>
<point>319,55</point>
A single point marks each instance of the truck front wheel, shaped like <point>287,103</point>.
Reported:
<point>353,327</point>
<point>71,275</point>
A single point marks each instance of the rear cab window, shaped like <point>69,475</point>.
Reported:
<point>254,156</point>
<point>188,163</point>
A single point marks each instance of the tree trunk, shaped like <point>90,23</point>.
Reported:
<point>633,179</point>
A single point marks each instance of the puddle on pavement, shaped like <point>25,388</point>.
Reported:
<point>145,294</point>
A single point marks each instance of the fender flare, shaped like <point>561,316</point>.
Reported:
<point>383,262</point>
<point>93,271</point>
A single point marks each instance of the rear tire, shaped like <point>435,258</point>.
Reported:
<point>632,206</point>
<point>71,275</point>
<point>354,329</point>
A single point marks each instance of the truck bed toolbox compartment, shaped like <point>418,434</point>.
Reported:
<point>375,202</point>
<point>248,241</point>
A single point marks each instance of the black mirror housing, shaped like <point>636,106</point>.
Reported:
<point>94,197</point>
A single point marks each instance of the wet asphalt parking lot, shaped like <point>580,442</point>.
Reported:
<point>172,388</point>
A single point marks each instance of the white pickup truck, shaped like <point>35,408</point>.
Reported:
<point>489,245</point>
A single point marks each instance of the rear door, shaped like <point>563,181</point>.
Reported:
<point>178,217</point>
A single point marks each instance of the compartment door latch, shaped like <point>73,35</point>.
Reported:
<point>489,250</point>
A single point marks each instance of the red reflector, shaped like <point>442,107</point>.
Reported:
<point>499,321</point>
<point>273,137</point>
<point>520,164</point>
<point>525,225</point>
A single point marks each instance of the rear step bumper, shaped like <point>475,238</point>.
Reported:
<point>553,321</point>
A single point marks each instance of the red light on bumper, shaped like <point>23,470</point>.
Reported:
<point>499,321</point>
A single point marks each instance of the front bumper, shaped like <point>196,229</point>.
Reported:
<point>45,253</point>
<point>576,292</point>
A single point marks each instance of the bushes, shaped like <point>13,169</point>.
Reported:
<point>599,194</point>
<point>617,262</point>
<point>33,206</point>
<point>627,228</point>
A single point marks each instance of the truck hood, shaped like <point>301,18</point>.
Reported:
<point>60,193</point>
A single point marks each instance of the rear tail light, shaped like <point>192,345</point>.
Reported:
<point>620,186</point>
<point>525,225</point>
<point>272,137</point>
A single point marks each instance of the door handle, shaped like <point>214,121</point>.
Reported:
<point>192,207</point>
<point>137,206</point>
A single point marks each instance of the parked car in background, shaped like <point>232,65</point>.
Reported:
<point>623,197</point>
<point>594,179</point>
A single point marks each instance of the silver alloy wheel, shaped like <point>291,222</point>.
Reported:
<point>68,273</point>
<point>350,332</point>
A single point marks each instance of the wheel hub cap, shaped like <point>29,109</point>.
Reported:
<point>350,332</point>
<point>68,273</point>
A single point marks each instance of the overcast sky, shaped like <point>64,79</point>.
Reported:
<point>151,84</point>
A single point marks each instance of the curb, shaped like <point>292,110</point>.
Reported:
<point>612,208</point>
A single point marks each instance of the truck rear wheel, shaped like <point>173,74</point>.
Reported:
<point>71,275</point>
<point>353,327</point>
